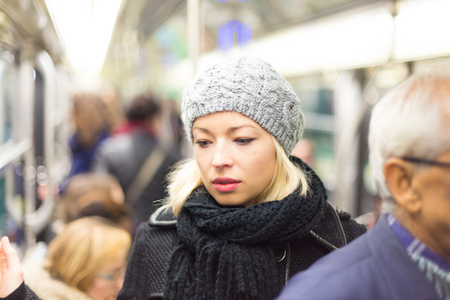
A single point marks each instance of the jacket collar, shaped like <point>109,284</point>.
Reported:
<point>402,273</point>
<point>163,217</point>
<point>329,232</point>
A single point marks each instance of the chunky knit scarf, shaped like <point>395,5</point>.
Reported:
<point>224,252</point>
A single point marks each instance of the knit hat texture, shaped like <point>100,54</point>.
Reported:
<point>248,86</point>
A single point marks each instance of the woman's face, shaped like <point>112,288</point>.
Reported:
<point>109,280</point>
<point>235,155</point>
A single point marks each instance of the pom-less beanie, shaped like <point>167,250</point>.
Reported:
<point>248,86</point>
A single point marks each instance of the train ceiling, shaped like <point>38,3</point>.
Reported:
<point>152,34</point>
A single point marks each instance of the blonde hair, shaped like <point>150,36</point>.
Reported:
<point>77,253</point>
<point>185,177</point>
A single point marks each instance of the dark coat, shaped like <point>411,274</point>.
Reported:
<point>375,266</point>
<point>123,155</point>
<point>145,276</point>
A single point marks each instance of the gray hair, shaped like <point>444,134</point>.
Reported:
<point>409,121</point>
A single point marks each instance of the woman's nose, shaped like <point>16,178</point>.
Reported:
<point>222,155</point>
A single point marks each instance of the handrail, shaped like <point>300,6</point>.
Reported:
<point>11,151</point>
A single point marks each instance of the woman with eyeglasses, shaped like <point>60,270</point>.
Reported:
<point>85,261</point>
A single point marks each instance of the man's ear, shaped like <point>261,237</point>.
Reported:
<point>399,176</point>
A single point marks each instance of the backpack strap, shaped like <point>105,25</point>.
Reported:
<point>145,175</point>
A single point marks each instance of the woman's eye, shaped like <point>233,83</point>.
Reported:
<point>202,143</point>
<point>243,141</point>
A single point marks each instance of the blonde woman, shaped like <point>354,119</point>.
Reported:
<point>243,215</point>
<point>84,261</point>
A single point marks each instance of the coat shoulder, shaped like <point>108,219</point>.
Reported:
<point>163,217</point>
<point>337,228</point>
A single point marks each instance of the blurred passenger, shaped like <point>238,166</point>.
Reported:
<point>134,155</point>
<point>94,194</point>
<point>113,105</point>
<point>370,218</point>
<point>305,151</point>
<point>242,216</point>
<point>119,214</point>
<point>91,128</point>
<point>406,255</point>
<point>85,261</point>
<point>173,131</point>
<point>86,188</point>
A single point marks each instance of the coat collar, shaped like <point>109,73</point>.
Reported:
<point>386,248</point>
<point>329,232</point>
<point>163,217</point>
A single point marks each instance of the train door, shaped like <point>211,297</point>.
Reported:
<point>14,145</point>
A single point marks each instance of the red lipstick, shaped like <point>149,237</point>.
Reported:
<point>226,184</point>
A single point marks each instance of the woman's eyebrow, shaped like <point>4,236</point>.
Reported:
<point>231,129</point>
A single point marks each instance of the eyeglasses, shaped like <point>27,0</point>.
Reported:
<point>112,277</point>
<point>427,162</point>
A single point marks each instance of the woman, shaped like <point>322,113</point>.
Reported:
<point>92,126</point>
<point>242,216</point>
<point>85,261</point>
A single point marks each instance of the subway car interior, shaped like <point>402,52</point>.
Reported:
<point>340,57</point>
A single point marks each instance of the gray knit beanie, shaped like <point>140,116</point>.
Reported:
<point>248,86</point>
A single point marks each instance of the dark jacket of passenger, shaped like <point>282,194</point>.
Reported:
<point>123,156</point>
<point>375,266</point>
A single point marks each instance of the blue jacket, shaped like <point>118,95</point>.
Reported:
<point>375,266</point>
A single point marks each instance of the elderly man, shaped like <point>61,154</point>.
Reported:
<point>406,255</point>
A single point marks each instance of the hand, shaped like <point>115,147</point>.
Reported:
<point>11,273</point>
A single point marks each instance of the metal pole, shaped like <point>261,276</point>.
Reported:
<point>193,17</point>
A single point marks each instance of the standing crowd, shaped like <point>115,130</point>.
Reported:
<point>244,217</point>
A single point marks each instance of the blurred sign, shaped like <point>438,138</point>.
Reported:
<point>233,30</point>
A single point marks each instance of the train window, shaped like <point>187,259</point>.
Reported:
<point>381,80</point>
<point>317,146</point>
<point>6,80</point>
<point>8,185</point>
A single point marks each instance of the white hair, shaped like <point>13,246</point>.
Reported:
<point>409,121</point>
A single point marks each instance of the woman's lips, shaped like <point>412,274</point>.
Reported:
<point>225,184</point>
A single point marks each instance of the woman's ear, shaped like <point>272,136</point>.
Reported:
<point>399,176</point>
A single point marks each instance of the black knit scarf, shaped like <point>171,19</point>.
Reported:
<point>224,251</point>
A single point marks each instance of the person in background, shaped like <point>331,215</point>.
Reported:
<point>136,157</point>
<point>113,105</point>
<point>119,214</point>
<point>93,194</point>
<point>242,215</point>
<point>91,128</point>
<point>406,255</point>
<point>305,150</point>
<point>85,261</point>
<point>83,189</point>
